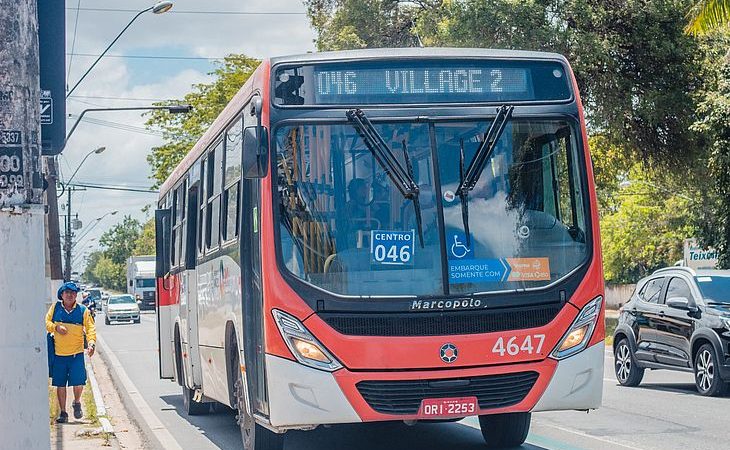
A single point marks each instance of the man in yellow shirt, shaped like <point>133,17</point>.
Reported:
<point>68,321</point>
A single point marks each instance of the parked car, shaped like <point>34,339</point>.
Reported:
<point>121,308</point>
<point>677,319</point>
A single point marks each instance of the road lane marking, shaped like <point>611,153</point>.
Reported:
<point>163,436</point>
<point>590,436</point>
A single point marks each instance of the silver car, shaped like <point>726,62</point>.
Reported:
<point>121,308</point>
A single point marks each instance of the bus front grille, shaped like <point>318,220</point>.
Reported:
<point>441,323</point>
<point>405,396</point>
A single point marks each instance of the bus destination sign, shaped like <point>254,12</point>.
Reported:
<point>391,82</point>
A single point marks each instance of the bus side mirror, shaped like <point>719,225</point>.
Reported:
<point>255,152</point>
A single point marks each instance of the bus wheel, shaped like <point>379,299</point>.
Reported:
<point>193,408</point>
<point>505,430</point>
<point>255,437</point>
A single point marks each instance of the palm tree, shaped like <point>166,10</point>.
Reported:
<point>708,15</point>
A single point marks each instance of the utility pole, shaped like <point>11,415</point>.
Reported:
<point>67,240</point>
<point>23,367</point>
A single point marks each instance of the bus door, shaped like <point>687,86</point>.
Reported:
<point>253,333</point>
<point>166,308</point>
<point>189,290</point>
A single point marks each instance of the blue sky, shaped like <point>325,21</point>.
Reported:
<point>193,30</point>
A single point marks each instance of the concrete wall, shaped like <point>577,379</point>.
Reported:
<point>618,294</point>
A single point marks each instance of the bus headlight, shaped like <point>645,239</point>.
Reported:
<point>302,344</point>
<point>580,332</point>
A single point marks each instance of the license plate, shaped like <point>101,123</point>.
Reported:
<point>449,407</point>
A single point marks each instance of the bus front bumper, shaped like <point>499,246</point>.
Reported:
<point>302,397</point>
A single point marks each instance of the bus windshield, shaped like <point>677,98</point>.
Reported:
<point>345,228</point>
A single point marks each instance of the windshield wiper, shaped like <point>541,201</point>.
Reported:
<point>469,179</point>
<point>401,178</point>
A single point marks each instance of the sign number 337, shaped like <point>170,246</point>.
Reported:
<point>530,344</point>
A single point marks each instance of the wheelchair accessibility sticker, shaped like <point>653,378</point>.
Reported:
<point>457,246</point>
<point>392,247</point>
<point>464,268</point>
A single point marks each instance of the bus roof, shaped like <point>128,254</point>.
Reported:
<point>414,52</point>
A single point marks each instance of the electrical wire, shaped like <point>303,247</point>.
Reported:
<point>73,41</point>
<point>74,97</point>
<point>165,57</point>
<point>227,13</point>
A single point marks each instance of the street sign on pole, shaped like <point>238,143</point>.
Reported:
<point>52,42</point>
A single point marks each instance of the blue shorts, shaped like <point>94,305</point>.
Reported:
<point>69,370</point>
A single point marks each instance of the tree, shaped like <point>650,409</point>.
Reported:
<point>93,259</point>
<point>110,274</point>
<point>351,24</point>
<point>118,242</point>
<point>708,15</point>
<point>713,213</point>
<point>646,231</point>
<point>181,131</point>
<point>145,243</point>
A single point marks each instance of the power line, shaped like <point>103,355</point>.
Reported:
<point>73,41</point>
<point>74,97</point>
<point>227,13</point>
<point>113,188</point>
<point>165,57</point>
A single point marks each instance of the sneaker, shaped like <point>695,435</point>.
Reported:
<point>77,410</point>
<point>63,417</point>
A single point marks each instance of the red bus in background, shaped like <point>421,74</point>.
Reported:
<point>378,235</point>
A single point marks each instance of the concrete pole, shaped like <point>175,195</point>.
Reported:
<point>23,363</point>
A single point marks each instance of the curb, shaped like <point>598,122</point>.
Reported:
<point>106,425</point>
<point>140,412</point>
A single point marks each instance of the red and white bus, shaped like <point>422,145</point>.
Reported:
<point>379,235</point>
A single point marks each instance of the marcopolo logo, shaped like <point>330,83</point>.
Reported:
<point>463,303</point>
<point>449,353</point>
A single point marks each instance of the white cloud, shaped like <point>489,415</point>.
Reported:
<point>208,35</point>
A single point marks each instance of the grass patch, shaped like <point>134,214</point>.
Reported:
<point>87,400</point>
<point>610,328</point>
<point>53,409</point>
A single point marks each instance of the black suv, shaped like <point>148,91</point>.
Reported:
<point>677,319</point>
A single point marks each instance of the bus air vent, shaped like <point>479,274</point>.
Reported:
<point>405,396</point>
<point>441,323</point>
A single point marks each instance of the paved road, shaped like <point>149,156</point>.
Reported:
<point>663,413</point>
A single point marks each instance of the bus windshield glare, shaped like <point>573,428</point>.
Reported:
<point>345,228</point>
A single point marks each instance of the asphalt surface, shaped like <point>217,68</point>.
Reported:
<point>664,412</point>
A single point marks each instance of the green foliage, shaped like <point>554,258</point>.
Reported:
<point>181,131</point>
<point>119,241</point>
<point>353,24</point>
<point>646,231</point>
<point>91,263</point>
<point>708,15</point>
<point>110,274</point>
<point>713,215</point>
<point>145,243</point>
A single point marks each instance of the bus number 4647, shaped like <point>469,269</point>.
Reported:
<point>531,344</point>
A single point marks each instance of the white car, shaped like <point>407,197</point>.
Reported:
<point>121,308</point>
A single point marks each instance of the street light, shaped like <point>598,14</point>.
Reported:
<point>67,244</point>
<point>172,109</point>
<point>157,8</point>
<point>95,152</point>
<point>92,226</point>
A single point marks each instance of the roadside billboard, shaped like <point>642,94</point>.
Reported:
<point>697,257</point>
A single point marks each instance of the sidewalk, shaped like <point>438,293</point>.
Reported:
<point>106,423</point>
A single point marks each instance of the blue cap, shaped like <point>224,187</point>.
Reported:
<point>67,286</point>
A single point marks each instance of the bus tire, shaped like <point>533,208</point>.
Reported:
<point>254,436</point>
<point>505,430</point>
<point>193,408</point>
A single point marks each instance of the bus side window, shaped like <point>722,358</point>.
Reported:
<point>232,177</point>
<point>202,199</point>
<point>173,235</point>
<point>214,177</point>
